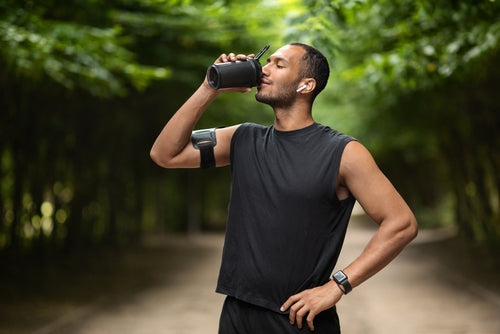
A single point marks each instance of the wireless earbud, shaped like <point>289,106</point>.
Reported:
<point>301,88</point>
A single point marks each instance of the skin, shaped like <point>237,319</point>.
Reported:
<point>359,175</point>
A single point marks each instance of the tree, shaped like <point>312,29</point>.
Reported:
<point>423,74</point>
<point>85,87</point>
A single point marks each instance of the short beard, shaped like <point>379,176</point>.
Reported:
<point>284,99</point>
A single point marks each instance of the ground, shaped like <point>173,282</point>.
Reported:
<point>167,286</point>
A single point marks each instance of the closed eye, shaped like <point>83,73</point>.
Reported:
<point>280,62</point>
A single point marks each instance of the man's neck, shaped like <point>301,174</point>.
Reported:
<point>292,119</point>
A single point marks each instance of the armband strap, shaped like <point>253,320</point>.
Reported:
<point>205,140</point>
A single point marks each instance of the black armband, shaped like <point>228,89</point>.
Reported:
<point>205,140</point>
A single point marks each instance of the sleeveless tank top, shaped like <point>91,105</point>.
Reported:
<point>285,225</point>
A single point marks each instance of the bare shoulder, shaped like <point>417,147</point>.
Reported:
<point>357,168</point>
<point>356,159</point>
<point>360,174</point>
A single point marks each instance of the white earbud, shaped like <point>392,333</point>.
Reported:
<point>301,88</point>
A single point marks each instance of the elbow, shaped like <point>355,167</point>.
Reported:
<point>403,229</point>
<point>163,159</point>
<point>410,230</point>
<point>155,155</point>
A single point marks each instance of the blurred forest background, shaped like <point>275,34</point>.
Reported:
<point>86,86</point>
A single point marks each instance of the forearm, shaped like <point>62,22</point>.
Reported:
<point>177,132</point>
<point>389,240</point>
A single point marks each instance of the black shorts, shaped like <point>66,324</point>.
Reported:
<point>238,317</point>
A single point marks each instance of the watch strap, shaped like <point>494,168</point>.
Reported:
<point>342,281</point>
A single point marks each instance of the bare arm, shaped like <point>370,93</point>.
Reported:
<point>360,176</point>
<point>173,149</point>
<point>384,205</point>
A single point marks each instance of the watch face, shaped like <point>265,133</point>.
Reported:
<point>339,276</point>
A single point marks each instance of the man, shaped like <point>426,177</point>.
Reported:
<point>294,187</point>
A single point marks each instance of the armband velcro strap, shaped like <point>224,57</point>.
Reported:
<point>205,140</point>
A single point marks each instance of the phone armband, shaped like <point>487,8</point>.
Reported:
<point>205,141</point>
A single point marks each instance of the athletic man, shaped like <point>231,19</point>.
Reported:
<point>294,186</point>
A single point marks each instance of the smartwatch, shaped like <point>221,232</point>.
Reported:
<point>343,281</point>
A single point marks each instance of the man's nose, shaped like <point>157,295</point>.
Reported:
<point>265,70</point>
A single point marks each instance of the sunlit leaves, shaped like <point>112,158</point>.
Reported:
<point>85,157</point>
<point>76,56</point>
<point>417,81</point>
<point>404,44</point>
<point>100,46</point>
<point>430,38</point>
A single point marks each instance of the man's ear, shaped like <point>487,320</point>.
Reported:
<point>306,86</point>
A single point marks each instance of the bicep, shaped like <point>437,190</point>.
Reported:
<point>189,157</point>
<point>223,148</point>
<point>366,182</point>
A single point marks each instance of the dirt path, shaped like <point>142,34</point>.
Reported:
<point>417,294</point>
<point>414,295</point>
<point>185,304</point>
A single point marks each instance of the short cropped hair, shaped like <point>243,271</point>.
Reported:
<point>316,67</point>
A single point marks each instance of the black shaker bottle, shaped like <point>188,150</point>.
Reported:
<point>236,74</point>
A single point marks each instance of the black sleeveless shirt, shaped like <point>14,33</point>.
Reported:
<point>286,225</point>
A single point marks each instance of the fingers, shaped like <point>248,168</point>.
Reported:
<point>297,313</point>
<point>289,302</point>
<point>309,303</point>
<point>231,57</point>
<point>310,320</point>
<point>298,310</point>
<point>236,89</point>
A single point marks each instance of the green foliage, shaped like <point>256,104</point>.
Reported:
<point>411,45</point>
<point>77,56</point>
<point>392,47</point>
<point>85,86</point>
<point>415,81</point>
